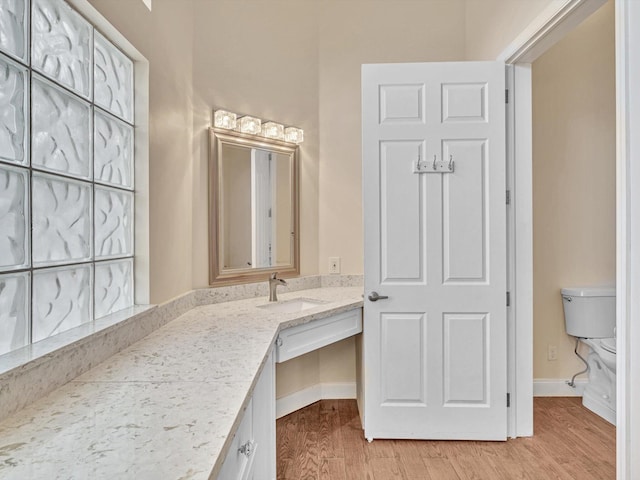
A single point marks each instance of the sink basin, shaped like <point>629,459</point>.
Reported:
<point>291,306</point>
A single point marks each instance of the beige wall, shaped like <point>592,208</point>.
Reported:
<point>290,61</point>
<point>236,206</point>
<point>335,363</point>
<point>296,62</point>
<point>491,25</point>
<point>353,33</point>
<point>357,32</point>
<point>170,133</point>
<point>258,58</point>
<point>573,180</point>
<point>350,34</point>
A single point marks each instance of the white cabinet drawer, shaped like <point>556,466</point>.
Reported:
<point>239,460</point>
<point>301,339</point>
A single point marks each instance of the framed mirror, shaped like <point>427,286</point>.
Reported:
<point>253,211</point>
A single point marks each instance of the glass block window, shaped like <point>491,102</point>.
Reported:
<point>66,172</point>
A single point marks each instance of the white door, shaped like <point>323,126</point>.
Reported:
<point>435,350</point>
<point>262,191</point>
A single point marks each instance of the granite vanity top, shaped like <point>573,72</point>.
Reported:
<point>164,408</point>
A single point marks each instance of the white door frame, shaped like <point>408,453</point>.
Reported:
<point>550,27</point>
<point>627,231</point>
<point>262,206</point>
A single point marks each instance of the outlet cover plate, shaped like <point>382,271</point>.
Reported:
<point>334,265</point>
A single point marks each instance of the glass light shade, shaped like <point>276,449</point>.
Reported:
<point>250,125</point>
<point>294,135</point>
<point>224,119</point>
<point>273,130</point>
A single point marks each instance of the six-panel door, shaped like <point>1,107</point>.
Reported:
<point>435,244</point>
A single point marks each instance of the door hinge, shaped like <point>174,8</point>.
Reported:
<point>506,96</point>
<point>508,299</point>
<point>508,400</point>
<point>508,197</point>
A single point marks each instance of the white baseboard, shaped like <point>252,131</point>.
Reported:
<point>557,387</point>
<point>542,387</point>
<point>312,394</point>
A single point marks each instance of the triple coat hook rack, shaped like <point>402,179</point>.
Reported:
<point>434,166</point>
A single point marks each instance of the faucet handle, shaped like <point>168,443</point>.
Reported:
<point>273,275</point>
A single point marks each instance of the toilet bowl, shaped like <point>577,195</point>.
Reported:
<point>590,315</point>
<point>605,348</point>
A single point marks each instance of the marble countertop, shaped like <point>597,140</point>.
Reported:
<point>164,408</point>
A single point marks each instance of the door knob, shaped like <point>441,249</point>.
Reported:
<point>246,449</point>
<point>374,297</point>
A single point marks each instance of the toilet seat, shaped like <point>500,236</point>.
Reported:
<point>608,344</point>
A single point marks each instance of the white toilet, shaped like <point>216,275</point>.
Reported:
<point>590,315</point>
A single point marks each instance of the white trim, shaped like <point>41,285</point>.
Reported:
<point>522,246</point>
<point>142,277</point>
<point>555,21</point>
<point>531,44</point>
<point>547,29</point>
<point>622,241</point>
<point>627,237</point>
<point>512,377</point>
<point>553,387</point>
<point>320,391</point>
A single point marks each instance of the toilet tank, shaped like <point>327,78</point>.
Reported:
<point>589,312</point>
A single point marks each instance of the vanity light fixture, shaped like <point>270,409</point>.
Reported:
<point>250,125</point>
<point>254,126</point>
<point>273,130</point>
<point>294,135</point>
<point>224,119</point>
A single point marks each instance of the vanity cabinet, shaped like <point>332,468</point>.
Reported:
<point>295,341</point>
<point>252,454</point>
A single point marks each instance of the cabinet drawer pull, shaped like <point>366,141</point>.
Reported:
<point>246,449</point>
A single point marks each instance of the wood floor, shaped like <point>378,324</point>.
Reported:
<point>325,441</point>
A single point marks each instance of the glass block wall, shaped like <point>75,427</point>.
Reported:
<point>66,172</point>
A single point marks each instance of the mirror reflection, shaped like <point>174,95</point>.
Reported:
<point>253,193</point>
<point>256,208</point>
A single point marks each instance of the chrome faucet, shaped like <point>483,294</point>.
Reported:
<point>273,285</point>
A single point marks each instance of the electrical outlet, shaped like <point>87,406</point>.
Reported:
<point>552,352</point>
<point>334,264</point>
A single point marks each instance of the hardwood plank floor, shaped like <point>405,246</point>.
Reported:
<point>325,441</point>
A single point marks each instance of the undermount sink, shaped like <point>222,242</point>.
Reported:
<point>291,306</point>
